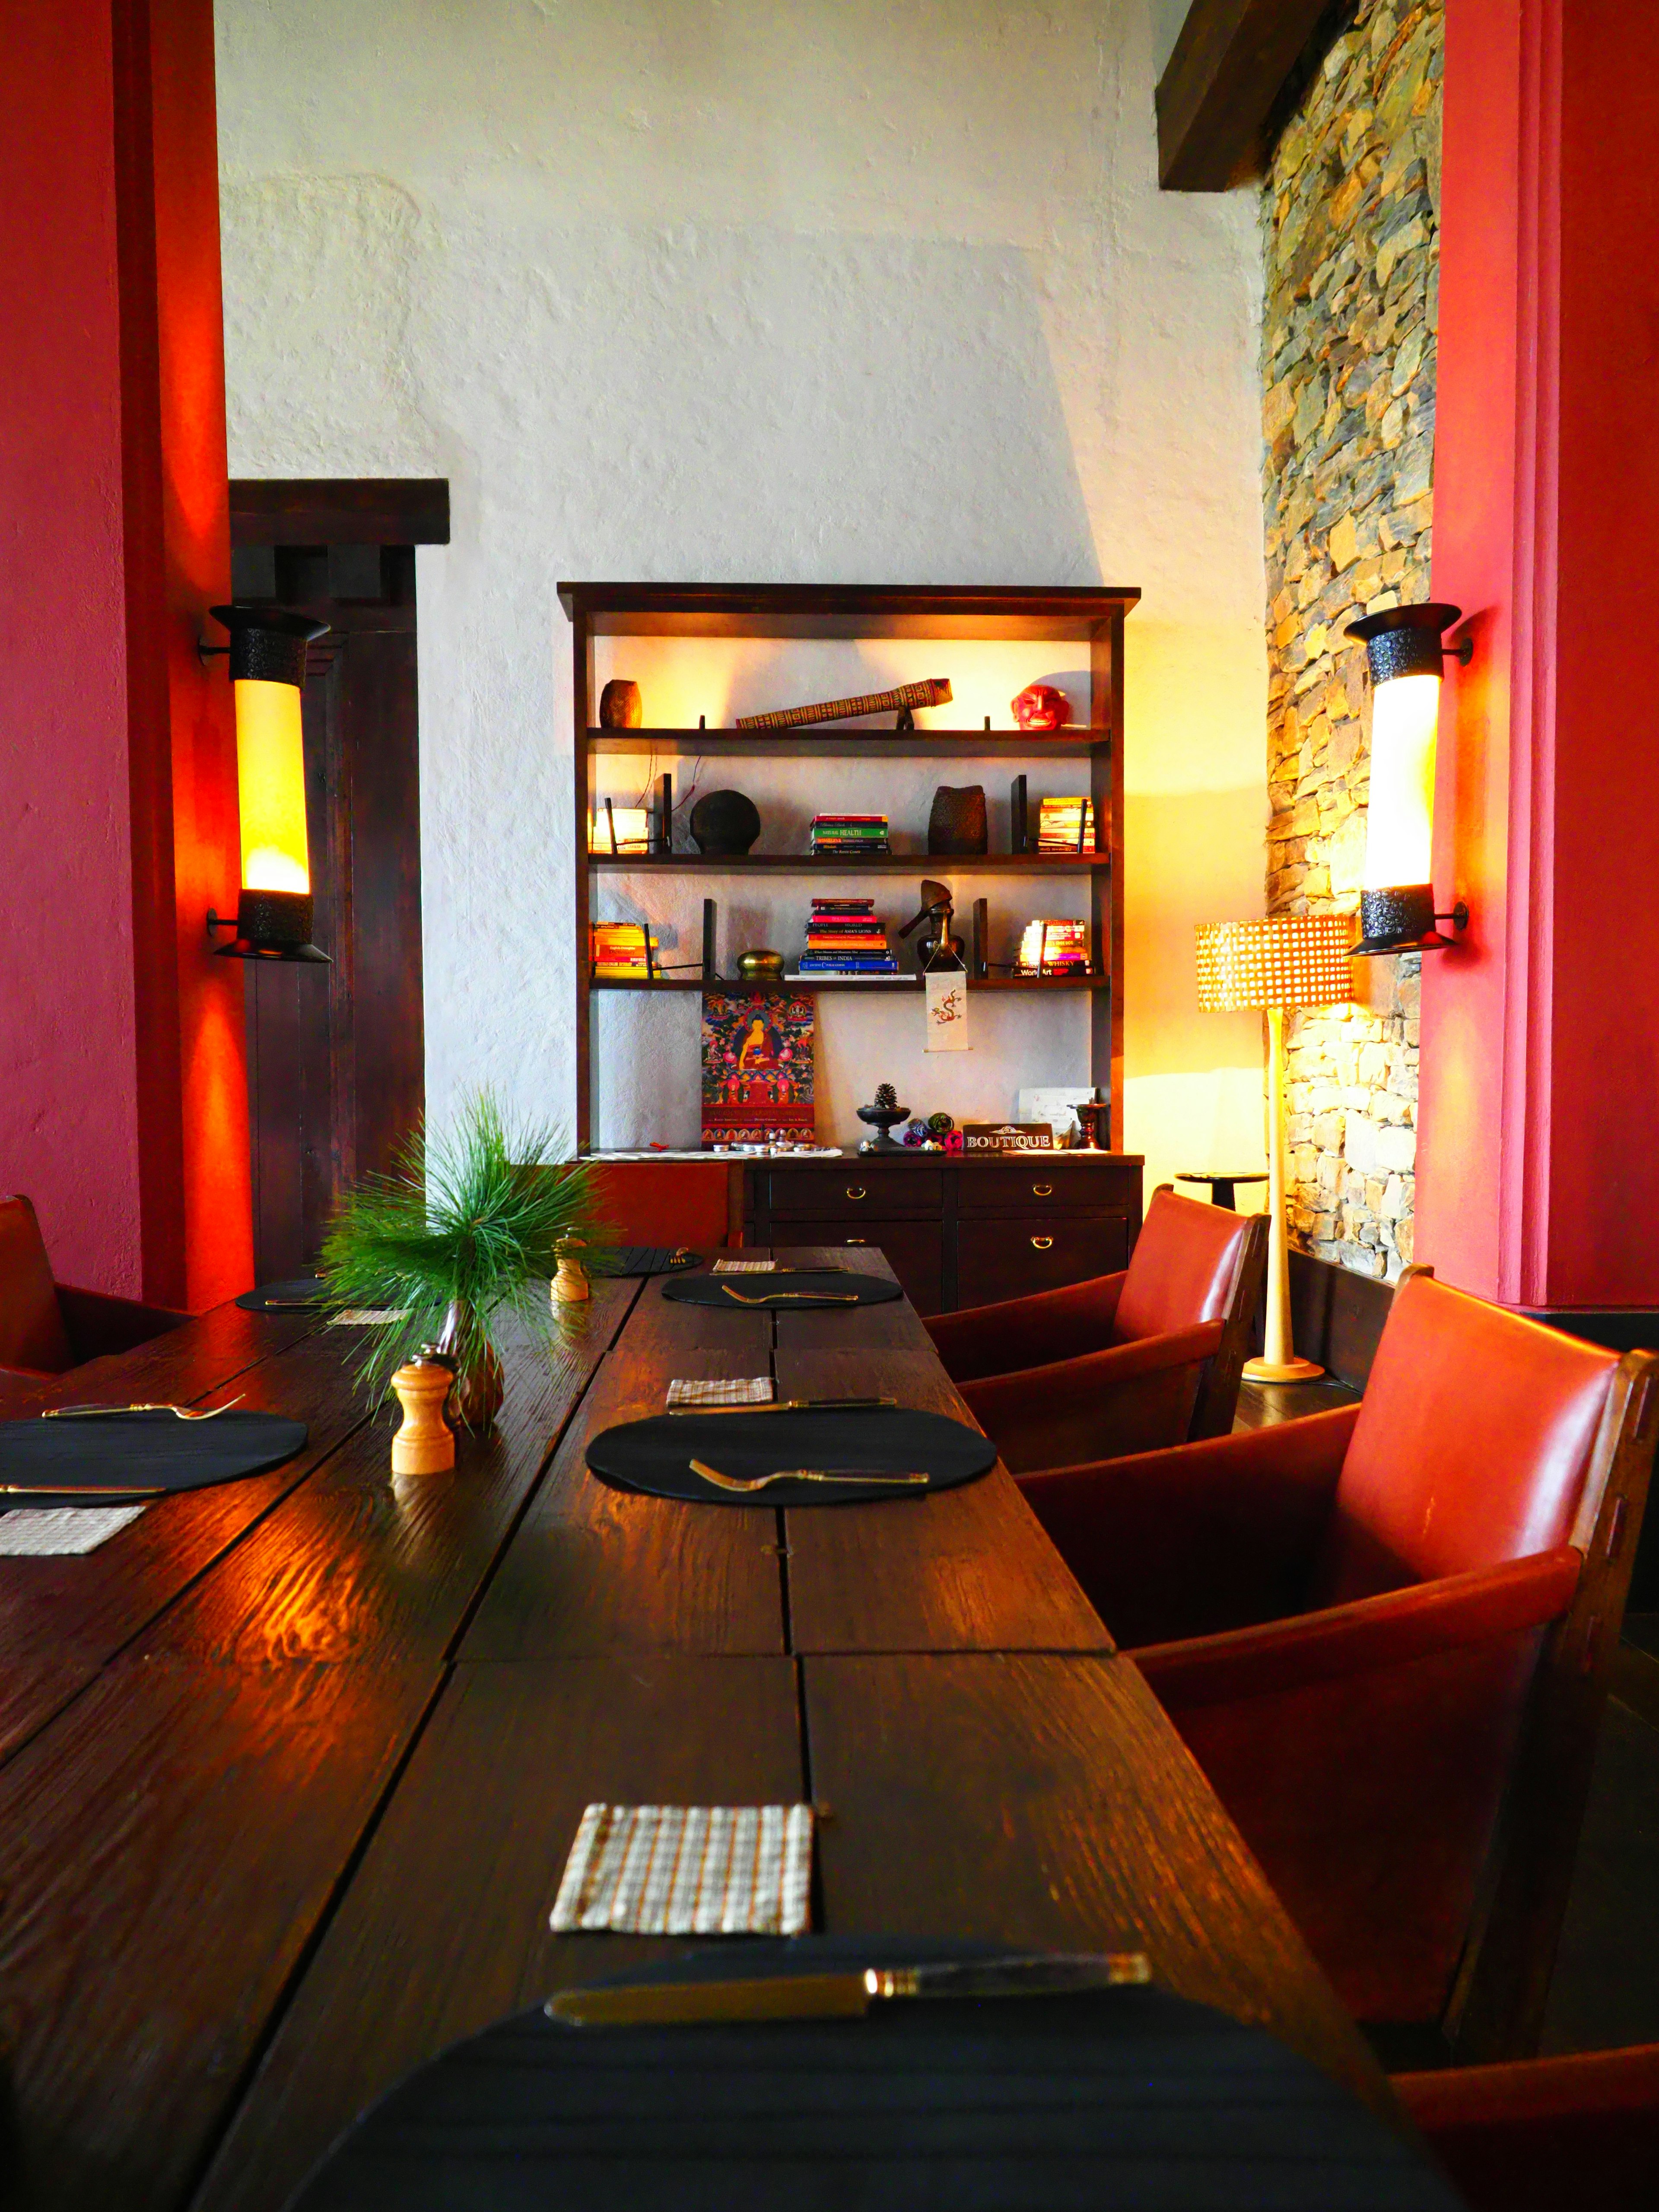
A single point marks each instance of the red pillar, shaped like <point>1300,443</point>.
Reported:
<point>1538,1166</point>
<point>122,1103</point>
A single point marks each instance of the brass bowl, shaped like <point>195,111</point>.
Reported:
<point>761,966</point>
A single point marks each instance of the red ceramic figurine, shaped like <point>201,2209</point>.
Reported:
<point>1040,706</point>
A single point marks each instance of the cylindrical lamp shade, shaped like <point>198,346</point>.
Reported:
<point>1405,657</point>
<point>268,674</point>
<point>1286,960</point>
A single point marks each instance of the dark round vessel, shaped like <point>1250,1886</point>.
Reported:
<point>724,822</point>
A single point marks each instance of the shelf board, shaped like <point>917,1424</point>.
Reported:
<point>831,743</point>
<point>871,989</point>
<point>1062,613</point>
<point>908,864</point>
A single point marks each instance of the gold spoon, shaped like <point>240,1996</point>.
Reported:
<point>797,1474</point>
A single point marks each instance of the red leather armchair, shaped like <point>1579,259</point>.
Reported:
<point>1551,2136</point>
<point>46,1327</point>
<point>1127,1363</point>
<point>1379,1629</point>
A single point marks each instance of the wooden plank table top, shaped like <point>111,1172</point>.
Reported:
<point>285,1800</point>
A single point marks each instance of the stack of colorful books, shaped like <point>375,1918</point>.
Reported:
<point>617,950</point>
<point>850,837</point>
<point>1067,825</point>
<point>1053,948</point>
<point>845,938</point>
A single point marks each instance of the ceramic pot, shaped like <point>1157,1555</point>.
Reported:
<point>724,822</point>
<point>957,821</point>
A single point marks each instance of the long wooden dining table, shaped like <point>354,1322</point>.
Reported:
<point>289,1767</point>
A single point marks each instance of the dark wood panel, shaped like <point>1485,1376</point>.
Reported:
<point>913,1250</point>
<point>1063,1183</point>
<point>1222,83</point>
<point>445,1929</point>
<point>886,1187</point>
<point>165,1852</point>
<point>662,1329</point>
<point>592,1570</point>
<point>967,1570</point>
<point>1047,1800</point>
<point>896,1327</point>
<point>61,1618</point>
<point>1057,612</point>
<point>1011,1255</point>
<point>334,510</point>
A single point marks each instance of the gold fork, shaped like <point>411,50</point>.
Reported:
<point>817,1298</point>
<point>102,1413</point>
<point>798,1474</point>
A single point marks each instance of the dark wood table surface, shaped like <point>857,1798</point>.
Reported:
<point>288,1768</point>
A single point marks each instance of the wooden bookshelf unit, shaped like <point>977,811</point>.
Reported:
<point>1092,617</point>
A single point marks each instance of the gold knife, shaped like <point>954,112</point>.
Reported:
<point>846,1993</point>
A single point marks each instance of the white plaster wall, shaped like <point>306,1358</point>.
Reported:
<point>783,290</point>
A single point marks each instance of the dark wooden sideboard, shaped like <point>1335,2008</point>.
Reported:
<point>957,1232</point>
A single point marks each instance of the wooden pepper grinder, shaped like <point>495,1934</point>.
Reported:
<point>426,1443</point>
<point>570,1286</point>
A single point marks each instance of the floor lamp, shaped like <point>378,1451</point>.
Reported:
<point>1288,960</point>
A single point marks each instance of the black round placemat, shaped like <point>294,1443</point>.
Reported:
<point>1119,2099</point>
<point>826,1289</point>
<point>57,1462</point>
<point>654,1455</point>
<point>300,1294</point>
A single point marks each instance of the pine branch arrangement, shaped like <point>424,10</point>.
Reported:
<point>463,1234</point>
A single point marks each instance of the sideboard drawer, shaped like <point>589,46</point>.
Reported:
<point>1029,1187</point>
<point>886,1189</point>
<point>915,1250</point>
<point>1011,1257</point>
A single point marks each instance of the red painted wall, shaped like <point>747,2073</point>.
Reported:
<point>1538,1179</point>
<point>113,539</point>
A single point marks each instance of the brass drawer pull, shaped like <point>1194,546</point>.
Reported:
<point>1040,1243</point>
<point>1042,1190</point>
<point>852,1240</point>
<point>856,1190</point>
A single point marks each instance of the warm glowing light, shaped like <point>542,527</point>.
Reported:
<point>632,827</point>
<point>1400,825</point>
<point>270,787</point>
<point>1287,960</point>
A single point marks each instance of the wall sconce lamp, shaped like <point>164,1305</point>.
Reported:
<point>267,651</point>
<point>1407,661</point>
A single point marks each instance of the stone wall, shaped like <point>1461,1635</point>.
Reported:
<point>1350,214</point>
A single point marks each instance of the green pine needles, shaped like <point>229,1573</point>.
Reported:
<point>462,1236</point>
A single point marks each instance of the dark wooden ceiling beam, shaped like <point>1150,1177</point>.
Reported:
<point>339,510</point>
<point>1218,89</point>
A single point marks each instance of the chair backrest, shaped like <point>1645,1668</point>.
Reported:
<point>1471,1448</point>
<point>32,1332</point>
<point>1183,1267</point>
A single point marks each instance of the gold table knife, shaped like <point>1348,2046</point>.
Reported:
<point>846,1993</point>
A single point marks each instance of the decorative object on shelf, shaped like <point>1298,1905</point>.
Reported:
<point>1056,1104</point>
<point>1094,1120</point>
<point>883,1114</point>
<point>761,965</point>
<point>1406,663</point>
<point>915,1134</point>
<point>620,950</point>
<point>844,937</point>
<point>957,822</point>
<point>757,1068</point>
<point>616,829</point>
<point>936,946</point>
<point>274,909</point>
<point>425,1444</point>
<point>850,837</point>
<point>1066,826</point>
<point>945,1011</point>
<point>570,1286</point>
<point>940,1125</point>
<point>725,823</point>
<point>1053,948</point>
<point>459,1235</point>
<point>1287,960</point>
<point>1040,706</point>
<point>1007,1137</point>
<point>931,691</point>
<point>620,708</point>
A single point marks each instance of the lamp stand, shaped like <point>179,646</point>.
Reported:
<point>1279,1362</point>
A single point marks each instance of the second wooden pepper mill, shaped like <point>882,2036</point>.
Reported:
<point>570,1286</point>
<point>425,1444</point>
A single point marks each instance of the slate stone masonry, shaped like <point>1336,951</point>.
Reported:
<point>1350,220</point>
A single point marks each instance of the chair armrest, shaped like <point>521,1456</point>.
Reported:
<point>1387,1631</point>
<point>1580,2130</point>
<point>1126,1398</point>
<point>98,1324</point>
<point>1209,1536</point>
<point>1029,1332</point>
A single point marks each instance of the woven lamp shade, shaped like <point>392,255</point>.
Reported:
<point>1288,960</point>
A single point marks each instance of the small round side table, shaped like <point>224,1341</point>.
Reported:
<point>1221,1186</point>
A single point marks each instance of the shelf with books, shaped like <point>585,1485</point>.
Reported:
<point>872,984</point>
<point>943,865</point>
